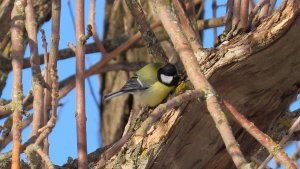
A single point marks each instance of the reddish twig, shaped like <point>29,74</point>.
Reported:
<point>262,138</point>
<point>80,90</point>
<point>283,141</point>
<point>17,39</point>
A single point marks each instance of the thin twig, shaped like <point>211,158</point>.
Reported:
<point>92,22</point>
<point>188,30</point>
<point>262,138</point>
<point>283,141</point>
<point>47,98</point>
<point>214,10</point>
<point>148,35</point>
<point>17,39</point>
<point>38,90</point>
<point>80,87</point>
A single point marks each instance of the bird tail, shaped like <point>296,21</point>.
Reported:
<point>113,94</point>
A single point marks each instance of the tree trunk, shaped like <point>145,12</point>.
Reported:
<point>257,72</point>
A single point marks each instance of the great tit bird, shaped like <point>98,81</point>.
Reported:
<point>151,84</point>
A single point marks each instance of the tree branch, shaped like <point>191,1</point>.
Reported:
<point>17,39</point>
<point>80,87</point>
<point>148,35</point>
<point>262,138</point>
<point>38,91</point>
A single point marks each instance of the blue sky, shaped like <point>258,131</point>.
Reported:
<point>63,138</point>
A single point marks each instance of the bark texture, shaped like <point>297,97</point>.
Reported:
<point>257,72</point>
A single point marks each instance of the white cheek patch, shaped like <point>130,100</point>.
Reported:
<point>166,79</point>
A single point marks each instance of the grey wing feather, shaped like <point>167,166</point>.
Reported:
<point>131,86</point>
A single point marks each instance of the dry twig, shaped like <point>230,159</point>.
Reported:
<point>17,39</point>
<point>80,87</point>
<point>262,138</point>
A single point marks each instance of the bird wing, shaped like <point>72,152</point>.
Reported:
<point>134,84</point>
<point>131,86</point>
<point>142,80</point>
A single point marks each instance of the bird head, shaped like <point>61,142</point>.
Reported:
<point>168,75</point>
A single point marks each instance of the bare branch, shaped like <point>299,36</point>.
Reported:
<point>80,87</point>
<point>92,22</point>
<point>17,39</point>
<point>47,98</point>
<point>283,141</point>
<point>148,35</point>
<point>264,139</point>
<point>38,90</point>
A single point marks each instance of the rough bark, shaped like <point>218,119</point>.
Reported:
<point>257,72</point>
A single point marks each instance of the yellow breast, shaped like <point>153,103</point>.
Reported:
<point>155,94</point>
